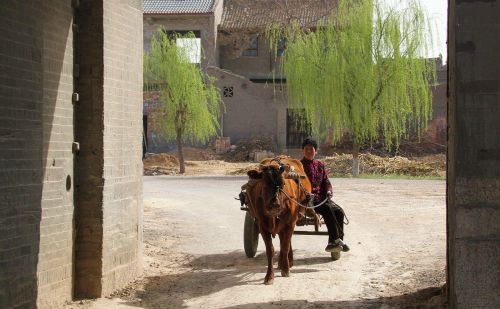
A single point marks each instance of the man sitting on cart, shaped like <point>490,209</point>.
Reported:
<point>332,214</point>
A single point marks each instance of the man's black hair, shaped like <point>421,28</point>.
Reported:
<point>310,141</point>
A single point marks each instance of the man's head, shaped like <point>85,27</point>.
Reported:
<point>310,148</point>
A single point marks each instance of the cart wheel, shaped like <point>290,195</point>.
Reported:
<point>335,255</point>
<point>250,235</point>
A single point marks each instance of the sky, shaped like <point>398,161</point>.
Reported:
<point>438,12</point>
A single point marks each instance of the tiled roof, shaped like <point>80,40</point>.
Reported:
<point>178,6</point>
<point>257,14</point>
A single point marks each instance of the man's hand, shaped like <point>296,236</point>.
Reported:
<point>329,194</point>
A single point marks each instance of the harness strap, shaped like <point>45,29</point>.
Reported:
<point>318,205</point>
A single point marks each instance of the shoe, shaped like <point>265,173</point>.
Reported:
<point>332,247</point>
<point>345,248</point>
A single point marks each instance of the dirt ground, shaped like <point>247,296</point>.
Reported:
<point>193,250</point>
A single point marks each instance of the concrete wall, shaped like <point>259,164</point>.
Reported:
<point>260,66</point>
<point>43,60</point>
<point>254,110</point>
<point>36,135</point>
<point>473,214</point>
<point>203,23</point>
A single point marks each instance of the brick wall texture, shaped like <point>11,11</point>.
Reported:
<point>40,201</point>
<point>36,134</point>
<point>122,196</point>
<point>109,128</point>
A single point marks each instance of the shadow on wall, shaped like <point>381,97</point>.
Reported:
<point>32,56</point>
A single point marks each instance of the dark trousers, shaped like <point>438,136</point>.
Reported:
<point>334,220</point>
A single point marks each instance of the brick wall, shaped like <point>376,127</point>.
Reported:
<point>122,196</point>
<point>36,132</point>
<point>21,150</point>
<point>89,127</point>
<point>109,128</point>
<point>55,262</point>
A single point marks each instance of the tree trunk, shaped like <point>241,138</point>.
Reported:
<point>181,154</point>
<point>355,160</point>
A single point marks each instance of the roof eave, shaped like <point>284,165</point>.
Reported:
<point>178,14</point>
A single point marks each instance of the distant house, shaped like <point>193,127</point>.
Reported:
<point>236,52</point>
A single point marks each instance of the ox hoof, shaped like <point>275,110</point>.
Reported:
<point>268,281</point>
<point>285,273</point>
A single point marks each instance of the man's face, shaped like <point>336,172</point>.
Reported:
<point>309,152</point>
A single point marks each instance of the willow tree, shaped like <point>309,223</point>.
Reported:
<point>360,72</point>
<point>191,102</point>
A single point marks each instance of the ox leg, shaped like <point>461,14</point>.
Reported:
<point>285,242</point>
<point>283,253</point>
<point>269,279</point>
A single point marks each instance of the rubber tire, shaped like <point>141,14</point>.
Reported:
<point>250,235</point>
<point>335,255</point>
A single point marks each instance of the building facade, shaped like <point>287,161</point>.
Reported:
<point>238,55</point>
<point>70,150</point>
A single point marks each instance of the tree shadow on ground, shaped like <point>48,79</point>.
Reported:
<point>210,274</point>
<point>206,275</point>
<point>429,298</point>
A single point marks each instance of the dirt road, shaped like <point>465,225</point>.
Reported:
<point>194,258</point>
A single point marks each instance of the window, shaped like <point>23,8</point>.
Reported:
<point>228,92</point>
<point>192,48</point>
<point>252,50</point>
<point>281,47</point>
<point>191,44</point>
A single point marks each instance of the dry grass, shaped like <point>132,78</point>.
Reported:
<point>428,166</point>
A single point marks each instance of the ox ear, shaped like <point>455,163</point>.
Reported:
<point>254,174</point>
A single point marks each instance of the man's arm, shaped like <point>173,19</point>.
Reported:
<point>326,186</point>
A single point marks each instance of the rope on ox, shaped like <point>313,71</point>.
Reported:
<point>311,200</point>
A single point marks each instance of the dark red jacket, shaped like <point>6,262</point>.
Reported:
<point>316,173</point>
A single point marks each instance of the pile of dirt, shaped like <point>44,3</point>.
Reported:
<point>196,154</point>
<point>433,166</point>
<point>245,149</point>
<point>243,170</point>
<point>160,164</point>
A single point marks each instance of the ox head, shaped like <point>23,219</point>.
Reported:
<point>272,175</point>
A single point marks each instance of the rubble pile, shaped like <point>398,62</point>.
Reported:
<point>160,164</point>
<point>196,154</point>
<point>433,166</point>
<point>244,170</point>
<point>245,149</point>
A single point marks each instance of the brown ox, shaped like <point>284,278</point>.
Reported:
<point>272,200</point>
